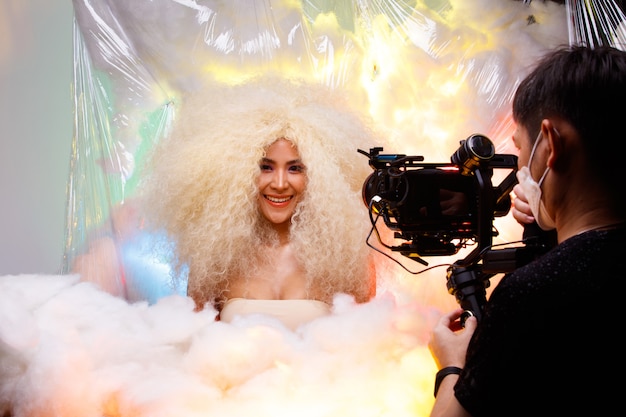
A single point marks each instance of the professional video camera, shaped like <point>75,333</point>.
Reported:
<point>439,208</point>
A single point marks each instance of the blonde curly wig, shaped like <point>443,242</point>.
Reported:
<point>200,185</point>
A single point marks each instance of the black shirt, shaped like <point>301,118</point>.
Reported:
<point>550,339</point>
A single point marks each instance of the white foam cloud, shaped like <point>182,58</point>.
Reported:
<point>69,348</point>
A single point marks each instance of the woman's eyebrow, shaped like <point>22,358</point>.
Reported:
<point>271,161</point>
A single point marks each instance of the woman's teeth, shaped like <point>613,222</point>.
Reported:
<point>278,200</point>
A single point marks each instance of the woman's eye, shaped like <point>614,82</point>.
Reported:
<point>265,167</point>
<point>297,168</point>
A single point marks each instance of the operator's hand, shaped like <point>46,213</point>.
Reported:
<point>449,340</point>
<point>521,209</point>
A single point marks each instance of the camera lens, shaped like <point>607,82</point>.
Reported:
<point>473,151</point>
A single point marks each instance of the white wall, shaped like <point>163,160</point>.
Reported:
<point>36,127</point>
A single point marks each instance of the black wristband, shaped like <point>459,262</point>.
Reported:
<point>444,372</point>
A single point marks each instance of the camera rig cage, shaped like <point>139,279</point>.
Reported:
<point>439,208</point>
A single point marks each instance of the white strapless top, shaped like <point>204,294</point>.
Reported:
<point>292,313</point>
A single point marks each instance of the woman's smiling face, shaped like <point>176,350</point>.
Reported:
<point>281,182</point>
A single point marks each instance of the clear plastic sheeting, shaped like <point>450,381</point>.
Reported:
<point>597,23</point>
<point>430,72</point>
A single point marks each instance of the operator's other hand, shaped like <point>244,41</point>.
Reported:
<point>449,340</point>
<point>453,203</point>
<point>521,209</point>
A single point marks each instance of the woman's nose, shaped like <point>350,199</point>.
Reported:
<point>280,180</point>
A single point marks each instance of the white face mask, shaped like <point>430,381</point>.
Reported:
<point>532,189</point>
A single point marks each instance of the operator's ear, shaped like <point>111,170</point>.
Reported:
<point>555,142</point>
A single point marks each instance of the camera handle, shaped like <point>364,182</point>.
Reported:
<point>469,288</point>
<point>465,278</point>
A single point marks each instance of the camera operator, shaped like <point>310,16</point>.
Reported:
<point>546,343</point>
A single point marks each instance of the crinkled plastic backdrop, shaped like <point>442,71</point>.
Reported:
<point>431,72</point>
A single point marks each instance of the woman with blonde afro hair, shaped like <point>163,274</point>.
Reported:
<point>239,157</point>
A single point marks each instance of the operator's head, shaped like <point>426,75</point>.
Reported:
<point>570,137</point>
<point>586,88</point>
